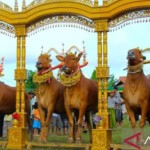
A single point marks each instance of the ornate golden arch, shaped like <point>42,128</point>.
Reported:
<point>111,15</point>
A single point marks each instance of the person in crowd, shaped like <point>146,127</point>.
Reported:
<point>32,102</point>
<point>55,124</point>
<point>36,120</point>
<point>111,108</point>
<point>2,115</point>
<point>118,107</point>
<point>65,123</point>
<point>7,124</point>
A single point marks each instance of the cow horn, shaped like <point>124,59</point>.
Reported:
<point>146,62</point>
<point>146,49</point>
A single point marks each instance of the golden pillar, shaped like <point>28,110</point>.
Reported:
<point>18,136</point>
<point>102,135</point>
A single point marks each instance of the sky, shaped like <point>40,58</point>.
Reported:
<point>119,42</point>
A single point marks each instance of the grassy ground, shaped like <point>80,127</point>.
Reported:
<point>118,136</point>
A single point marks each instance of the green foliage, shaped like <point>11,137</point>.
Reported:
<point>111,80</point>
<point>93,77</point>
<point>29,84</point>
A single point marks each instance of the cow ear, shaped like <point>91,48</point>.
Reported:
<point>79,56</point>
<point>60,58</point>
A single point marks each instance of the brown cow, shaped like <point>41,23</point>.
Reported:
<point>8,101</point>
<point>49,93</point>
<point>136,91</point>
<point>80,94</point>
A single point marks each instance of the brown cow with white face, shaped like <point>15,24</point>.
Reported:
<point>136,91</point>
<point>49,93</point>
<point>80,93</point>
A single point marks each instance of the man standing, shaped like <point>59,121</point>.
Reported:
<point>118,107</point>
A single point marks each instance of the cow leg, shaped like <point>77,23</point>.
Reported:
<point>132,118</point>
<point>42,119</point>
<point>143,114</point>
<point>47,122</point>
<point>79,124</point>
<point>143,118</point>
<point>89,125</point>
<point>71,123</point>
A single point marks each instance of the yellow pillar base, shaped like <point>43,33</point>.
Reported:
<point>17,138</point>
<point>101,139</point>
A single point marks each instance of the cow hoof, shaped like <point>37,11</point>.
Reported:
<point>70,140</point>
<point>141,124</point>
<point>42,140</point>
<point>78,140</point>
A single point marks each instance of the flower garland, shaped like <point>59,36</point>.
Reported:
<point>70,80</point>
<point>42,77</point>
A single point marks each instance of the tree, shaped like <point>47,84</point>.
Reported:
<point>93,77</point>
<point>111,80</point>
<point>29,84</point>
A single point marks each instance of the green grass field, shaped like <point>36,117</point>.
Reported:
<point>118,136</point>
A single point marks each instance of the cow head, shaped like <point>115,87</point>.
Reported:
<point>70,63</point>
<point>43,62</point>
<point>135,57</point>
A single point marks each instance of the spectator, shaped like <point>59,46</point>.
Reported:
<point>111,108</point>
<point>65,123</point>
<point>118,107</point>
<point>7,124</point>
<point>32,101</point>
<point>55,124</point>
<point>36,120</point>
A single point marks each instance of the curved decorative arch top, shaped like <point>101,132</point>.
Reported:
<point>44,8</point>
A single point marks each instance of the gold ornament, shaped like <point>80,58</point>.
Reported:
<point>42,78</point>
<point>15,123</point>
<point>70,80</point>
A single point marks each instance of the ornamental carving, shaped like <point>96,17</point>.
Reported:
<point>39,2</point>
<point>5,7</point>
<point>7,29</point>
<point>62,21</point>
<point>132,17</point>
<point>102,72</point>
<point>20,30</point>
<point>101,26</point>
<point>17,137</point>
<point>99,138</point>
<point>20,74</point>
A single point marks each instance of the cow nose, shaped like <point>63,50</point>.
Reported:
<point>130,53</point>
<point>63,68</point>
<point>38,63</point>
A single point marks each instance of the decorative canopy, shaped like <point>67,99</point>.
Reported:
<point>44,14</point>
